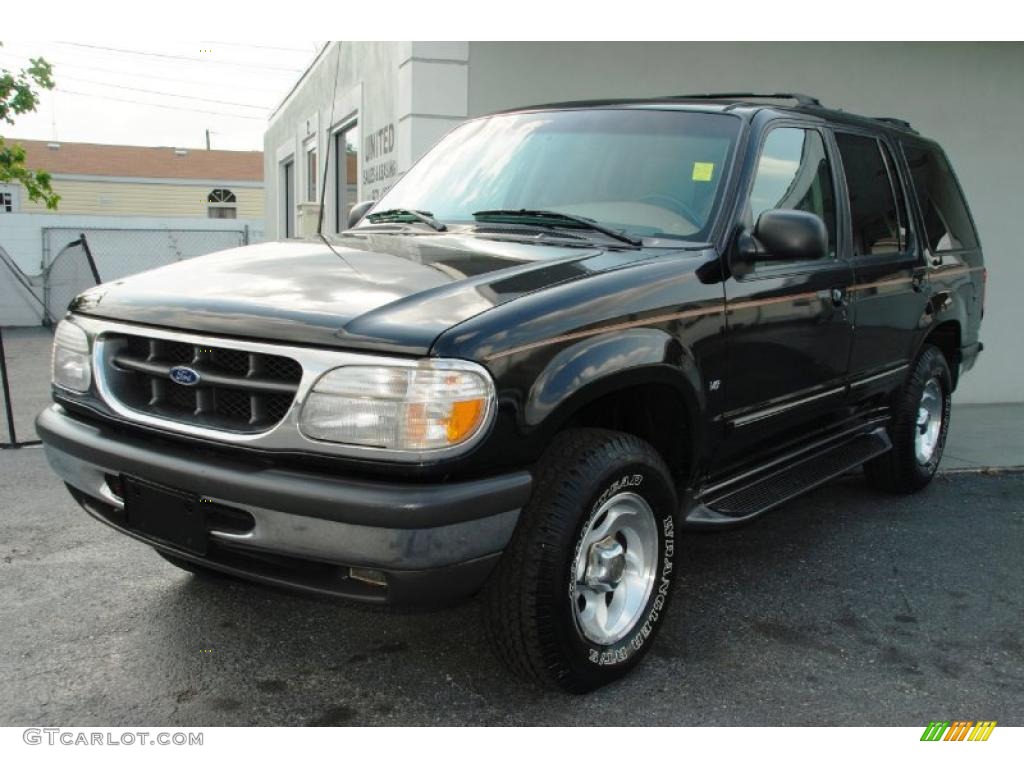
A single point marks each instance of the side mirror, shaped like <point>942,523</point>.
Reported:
<point>357,211</point>
<point>785,235</point>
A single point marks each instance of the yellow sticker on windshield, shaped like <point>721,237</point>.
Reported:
<point>703,171</point>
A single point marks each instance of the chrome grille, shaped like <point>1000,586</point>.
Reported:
<point>238,390</point>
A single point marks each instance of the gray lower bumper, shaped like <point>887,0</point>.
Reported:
<point>307,517</point>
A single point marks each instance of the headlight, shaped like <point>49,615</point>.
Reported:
<point>431,406</point>
<point>71,366</point>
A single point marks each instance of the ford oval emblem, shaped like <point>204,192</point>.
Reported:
<point>182,374</point>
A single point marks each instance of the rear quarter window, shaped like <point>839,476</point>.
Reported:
<point>947,222</point>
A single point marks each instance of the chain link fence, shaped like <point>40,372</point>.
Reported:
<point>29,357</point>
<point>70,273</point>
<point>75,259</point>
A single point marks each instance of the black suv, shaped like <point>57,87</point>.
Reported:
<point>566,334</point>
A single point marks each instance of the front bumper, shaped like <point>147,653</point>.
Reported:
<point>435,543</point>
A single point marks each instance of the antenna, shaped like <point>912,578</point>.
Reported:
<point>327,152</point>
<point>327,164</point>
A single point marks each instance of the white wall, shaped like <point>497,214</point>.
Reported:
<point>407,94</point>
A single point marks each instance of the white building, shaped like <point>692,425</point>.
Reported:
<point>389,102</point>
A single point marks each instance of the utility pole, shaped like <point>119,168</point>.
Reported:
<point>207,138</point>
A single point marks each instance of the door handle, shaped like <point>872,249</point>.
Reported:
<point>839,297</point>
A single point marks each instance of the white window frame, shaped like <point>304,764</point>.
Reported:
<point>289,218</point>
<point>222,205</point>
<point>348,124</point>
<point>311,195</point>
<point>12,190</point>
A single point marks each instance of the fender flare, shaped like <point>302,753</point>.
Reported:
<point>943,307</point>
<point>592,368</point>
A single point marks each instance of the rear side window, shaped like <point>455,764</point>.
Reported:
<point>876,221</point>
<point>947,223</point>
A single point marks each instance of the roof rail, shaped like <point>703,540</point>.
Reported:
<point>800,98</point>
<point>897,122</point>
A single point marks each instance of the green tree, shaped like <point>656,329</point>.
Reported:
<point>18,95</point>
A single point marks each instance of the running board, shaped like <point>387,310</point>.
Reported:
<point>731,503</point>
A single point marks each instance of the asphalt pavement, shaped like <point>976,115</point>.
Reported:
<point>846,607</point>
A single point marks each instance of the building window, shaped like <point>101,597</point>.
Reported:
<point>311,169</point>
<point>346,154</point>
<point>288,197</point>
<point>6,202</point>
<point>222,204</point>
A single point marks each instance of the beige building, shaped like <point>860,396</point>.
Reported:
<point>112,180</point>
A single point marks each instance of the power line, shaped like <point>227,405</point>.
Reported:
<point>181,58</point>
<point>165,93</point>
<point>260,47</point>
<point>142,75</point>
<point>159,106</point>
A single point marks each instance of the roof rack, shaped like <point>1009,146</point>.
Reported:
<point>896,121</point>
<point>800,98</point>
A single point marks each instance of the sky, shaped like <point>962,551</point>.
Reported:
<point>158,93</point>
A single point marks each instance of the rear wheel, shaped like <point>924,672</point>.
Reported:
<point>918,429</point>
<point>583,586</point>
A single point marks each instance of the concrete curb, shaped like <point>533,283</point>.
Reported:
<point>982,470</point>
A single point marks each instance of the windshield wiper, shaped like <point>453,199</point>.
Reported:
<point>400,214</point>
<point>553,218</point>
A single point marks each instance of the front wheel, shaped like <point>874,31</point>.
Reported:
<point>919,426</point>
<point>583,586</point>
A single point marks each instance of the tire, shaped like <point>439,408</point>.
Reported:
<point>598,494</point>
<point>194,568</point>
<point>916,449</point>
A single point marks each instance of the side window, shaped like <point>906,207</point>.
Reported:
<point>793,173</point>
<point>946,221</point>
<point>875,219</point>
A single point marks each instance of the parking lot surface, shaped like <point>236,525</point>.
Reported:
<point>846,607</point>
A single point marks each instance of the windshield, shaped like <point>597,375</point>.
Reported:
<point>647,172</point>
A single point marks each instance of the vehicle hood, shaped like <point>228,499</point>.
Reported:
<point>395,293</point>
